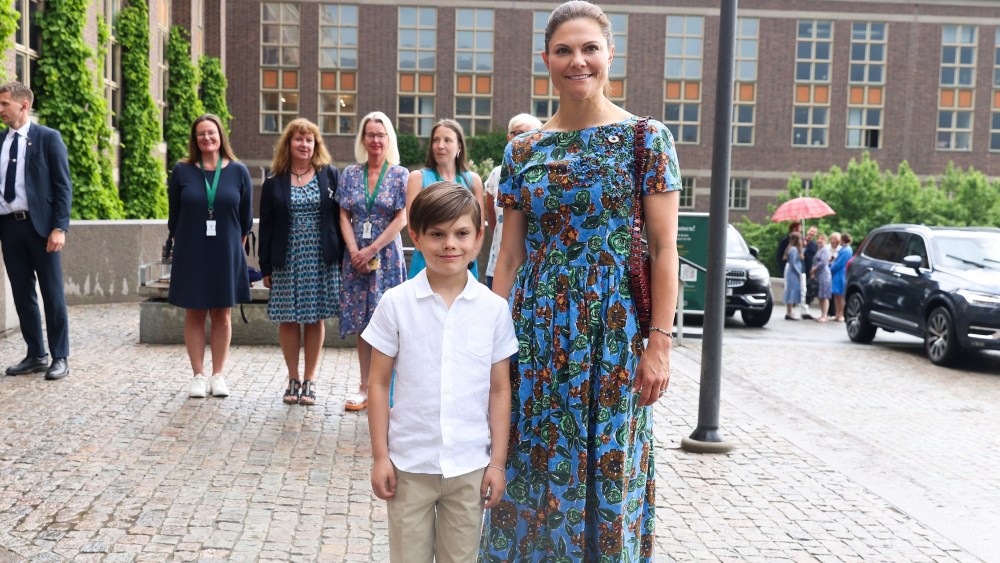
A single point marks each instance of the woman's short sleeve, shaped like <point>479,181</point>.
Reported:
<point>663,172</point>
<point>514,157</point>
<point>398,184</point>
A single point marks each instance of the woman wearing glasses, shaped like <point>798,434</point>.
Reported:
<point>372,198</point>
<point>211,214</point>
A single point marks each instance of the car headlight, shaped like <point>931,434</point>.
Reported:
<point>758,274</point>
<point>979,298</point>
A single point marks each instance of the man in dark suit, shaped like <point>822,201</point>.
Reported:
<point>34,216</point>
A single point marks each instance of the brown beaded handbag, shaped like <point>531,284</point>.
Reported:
<point>638,262</point>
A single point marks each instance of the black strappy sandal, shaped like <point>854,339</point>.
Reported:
<point>308,395</point>
<point>292,393</point>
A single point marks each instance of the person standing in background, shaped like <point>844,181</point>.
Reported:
<point>447,159</point>
<point>520,123</point>
<point>372,199</point>
<point>300,250</point>
<point>34,218</point>
<point>211,214</point>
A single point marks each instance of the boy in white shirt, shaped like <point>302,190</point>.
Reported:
<point>440,452</point>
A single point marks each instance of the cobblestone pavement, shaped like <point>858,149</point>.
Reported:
<point>115,463</point>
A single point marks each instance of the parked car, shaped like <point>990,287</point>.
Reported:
<point>748,283</point>
<point>938,283</point>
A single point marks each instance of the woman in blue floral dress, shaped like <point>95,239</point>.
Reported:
<point>300,250</point>
<point>372,198</point>
<point>580,472</point>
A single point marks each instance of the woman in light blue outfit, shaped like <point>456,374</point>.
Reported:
<point>839,272</point>
<point>446,161</point>
<point>821,271</point>
<point>793,273</point>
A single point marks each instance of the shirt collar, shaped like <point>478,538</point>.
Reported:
<point>23,130</point>
<point>423,287</point>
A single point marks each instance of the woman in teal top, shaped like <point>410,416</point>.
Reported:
<point>446,161</point>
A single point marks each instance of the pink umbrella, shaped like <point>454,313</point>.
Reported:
<point>802,208</point>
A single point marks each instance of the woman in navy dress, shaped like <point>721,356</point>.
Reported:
<point>372,199</point>
<point>446,161</point>
<point>300,250</point>
<point>211,214</point>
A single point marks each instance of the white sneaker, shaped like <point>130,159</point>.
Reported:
<point>219,388</point>
<point>197,389</point>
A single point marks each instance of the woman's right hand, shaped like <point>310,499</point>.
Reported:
<point>267,282</point>
<point>359,260</point>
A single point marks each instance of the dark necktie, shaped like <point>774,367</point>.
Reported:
<point>8,187</point>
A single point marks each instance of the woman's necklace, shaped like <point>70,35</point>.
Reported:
<point>298,176</point>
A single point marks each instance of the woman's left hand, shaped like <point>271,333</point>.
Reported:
<point>653,374</point>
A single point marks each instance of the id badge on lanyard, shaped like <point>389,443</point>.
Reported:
<point>210,190</point>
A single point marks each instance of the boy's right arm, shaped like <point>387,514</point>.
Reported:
<point>379,379</point>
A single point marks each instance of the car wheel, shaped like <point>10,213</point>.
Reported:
<point>758,318</point>
<point>939,338</point>
<point>859,329</point>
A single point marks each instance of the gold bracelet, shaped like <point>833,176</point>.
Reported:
<point>661,331</point>
<point>497,467</point>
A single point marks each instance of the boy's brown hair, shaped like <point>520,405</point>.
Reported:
<point>443,202</point>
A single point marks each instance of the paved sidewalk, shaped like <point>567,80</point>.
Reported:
<point>115,463</point>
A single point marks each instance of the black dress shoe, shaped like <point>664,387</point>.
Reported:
<point>58,370</point>
<point>29,365</point>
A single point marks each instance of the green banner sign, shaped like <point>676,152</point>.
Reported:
<point>692,248</point>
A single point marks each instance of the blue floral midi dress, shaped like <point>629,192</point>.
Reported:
<point>306,290</point>
<point>580,475</point>
<point>362,291</point>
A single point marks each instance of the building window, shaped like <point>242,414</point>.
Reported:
<point>279,61</point>
<point>739,193</point>
<point>338,63</point>
<point>619,64</point>
<point>112,71</point>
<point>417,62</point>
<point>27,39</point>
<point>865,102</point>
<point>682,71</point>
<point>687,193</point>
<point>956,100</point>
<point>745,89</point>
<point>813,59</point>
<point>544,97</point>
<point>159,40</point>
<point>995,117</point>
<point>474,69</point>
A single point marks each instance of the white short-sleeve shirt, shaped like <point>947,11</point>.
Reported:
<point>439,422</point>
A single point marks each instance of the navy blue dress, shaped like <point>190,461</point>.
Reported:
<point>209,272</point>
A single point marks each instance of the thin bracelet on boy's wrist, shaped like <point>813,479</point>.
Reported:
<point>497,467</point>
<point>661,331</point>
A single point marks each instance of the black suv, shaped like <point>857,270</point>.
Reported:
<point>748,283</point>
<point>939,283</point>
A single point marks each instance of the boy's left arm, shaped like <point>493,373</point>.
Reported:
<point>494,478</point>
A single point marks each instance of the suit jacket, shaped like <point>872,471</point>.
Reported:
<point>275,219</point>
<point>46,180</point>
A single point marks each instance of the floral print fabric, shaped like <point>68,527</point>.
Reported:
<point>580,466</point>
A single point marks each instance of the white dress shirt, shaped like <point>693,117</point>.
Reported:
<point>20,202</point>
<point>439,422</point>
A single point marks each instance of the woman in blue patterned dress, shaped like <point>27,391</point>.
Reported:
<point>580,472</point>
<point>446,161</point>
<point>300,250</point>
<point>372,199</point>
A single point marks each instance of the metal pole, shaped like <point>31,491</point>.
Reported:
<point>706,438</point>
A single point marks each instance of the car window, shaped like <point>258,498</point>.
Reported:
<point>967,251</point>
<point>735,245</point>
<point>915,247</point>
<point>886,246</point>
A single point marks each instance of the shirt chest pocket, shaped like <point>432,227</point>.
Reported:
<point>478,342</point>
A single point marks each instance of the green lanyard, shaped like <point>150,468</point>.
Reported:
<point>370,197</point>
<point>210,190</point>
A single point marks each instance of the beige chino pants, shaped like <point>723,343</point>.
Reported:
<point>432,516</point>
